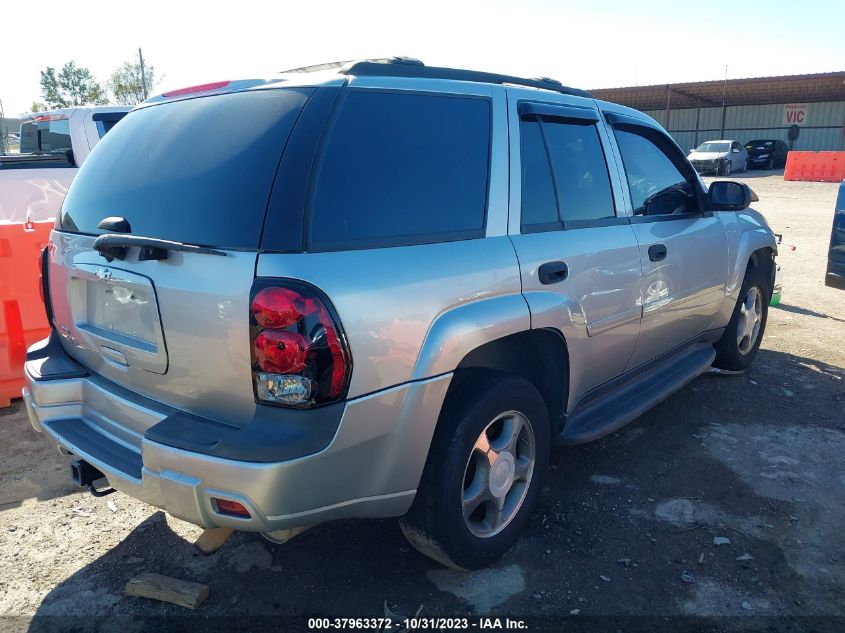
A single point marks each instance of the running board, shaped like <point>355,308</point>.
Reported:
<point>615,406</point>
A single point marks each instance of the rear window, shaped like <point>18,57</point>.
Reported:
<point>401,169</point>
<point>197,171</point>
<point>48,136</point>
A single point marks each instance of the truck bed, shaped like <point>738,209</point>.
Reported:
<point>36,161</point>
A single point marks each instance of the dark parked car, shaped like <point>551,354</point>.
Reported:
<point>766,154</point>
<point>835,277</point>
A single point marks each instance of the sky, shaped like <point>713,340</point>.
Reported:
<point>587,44</point>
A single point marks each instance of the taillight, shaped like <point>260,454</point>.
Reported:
<point>299,352</point>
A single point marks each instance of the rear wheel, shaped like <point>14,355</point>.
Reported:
<point>484,473</point>
<point>742,337</point>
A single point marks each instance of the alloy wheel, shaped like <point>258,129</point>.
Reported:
<point>750,319</point>
<point>498,474</point>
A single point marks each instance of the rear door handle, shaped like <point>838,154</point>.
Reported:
<point>552,272</point>
<point>657,252</point>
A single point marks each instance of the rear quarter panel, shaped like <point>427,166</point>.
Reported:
<point>413,312</point>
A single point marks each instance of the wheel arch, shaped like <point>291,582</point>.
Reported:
<point>539,356</point>
<point>750,243</point>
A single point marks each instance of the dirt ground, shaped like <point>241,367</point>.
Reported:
<point>626,526</point>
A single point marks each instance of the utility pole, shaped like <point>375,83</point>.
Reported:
<point>3,147</point>
<point>143,76</point>
<point>724,94</point>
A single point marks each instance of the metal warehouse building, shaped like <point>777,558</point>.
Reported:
<point>745,109</point>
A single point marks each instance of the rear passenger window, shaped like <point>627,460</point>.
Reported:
<point>580,171</point>
<point>565,181</point>
<point>539,206</point>
<point>401,169</point>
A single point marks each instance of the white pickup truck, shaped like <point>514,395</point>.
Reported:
<point>53,145</point>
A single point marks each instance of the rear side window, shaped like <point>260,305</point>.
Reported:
<point>400,169</point>
<point>105,121</point>
<point>565,181</point>
<point>197,171</point>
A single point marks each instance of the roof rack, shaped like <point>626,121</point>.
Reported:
<point>410,67</point>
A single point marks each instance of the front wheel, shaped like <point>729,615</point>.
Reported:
<point>726,169</point>
<point>742,337</point>
<point>484,473</point>
<point>770,164</point>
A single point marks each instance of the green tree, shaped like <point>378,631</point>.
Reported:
<point>126,86</point>
<point>73,86</point>
<point>38,106</point>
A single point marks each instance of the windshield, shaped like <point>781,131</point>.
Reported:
<point>759,145</point>
<point>48,136</point>
<point>710,146</point>
<point>197,171</point>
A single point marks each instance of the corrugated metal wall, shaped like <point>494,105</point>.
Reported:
<point>822,129</point>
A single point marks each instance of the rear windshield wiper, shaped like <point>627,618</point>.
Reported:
<point>115,246</point>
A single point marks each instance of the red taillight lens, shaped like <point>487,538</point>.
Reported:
<point>280,307</point>
<point>299,353</point>
<point>280,351</point>
<point>225,506</point>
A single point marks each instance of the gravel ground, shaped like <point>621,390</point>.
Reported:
<point>626,526</point>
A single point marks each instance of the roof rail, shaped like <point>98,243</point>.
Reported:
<point>314,68</point>
<point>409,67</point>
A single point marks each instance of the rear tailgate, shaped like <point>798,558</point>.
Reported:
<point>197,171</point>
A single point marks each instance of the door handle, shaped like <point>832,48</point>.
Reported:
<point>552,272</point>
<point>657,252</point>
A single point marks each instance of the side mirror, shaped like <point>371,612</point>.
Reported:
<point>724,195</point>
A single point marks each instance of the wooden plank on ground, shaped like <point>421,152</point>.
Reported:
<point>182,592</point>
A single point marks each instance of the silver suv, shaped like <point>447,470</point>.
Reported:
<point>381,290</point>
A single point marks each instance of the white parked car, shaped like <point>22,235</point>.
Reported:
<point>720,157</point>
<point>53,144</point>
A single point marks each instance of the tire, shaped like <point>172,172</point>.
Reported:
<point>480,403</point>
<point>745,166</point>
<point>770,164</point>
<point>724,170</point>
<point>737,348</point>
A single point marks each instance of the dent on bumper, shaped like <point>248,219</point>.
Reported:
<point>371,468</point>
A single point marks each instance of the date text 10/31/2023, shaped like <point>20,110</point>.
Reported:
<point>417,624</point>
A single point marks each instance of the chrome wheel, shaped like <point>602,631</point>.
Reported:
<point>750,318</point>
<point>498,474</point>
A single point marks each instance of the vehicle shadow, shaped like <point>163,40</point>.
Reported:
<point>747,175</point>
<point>597,509</point>
<point>806,312</point>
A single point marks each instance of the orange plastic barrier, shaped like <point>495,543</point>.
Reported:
<point>815,166</point>
<point>22,317</point>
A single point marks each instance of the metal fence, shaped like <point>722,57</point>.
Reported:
<point>823,127</point>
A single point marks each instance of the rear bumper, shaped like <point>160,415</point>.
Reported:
<point>370,467</point>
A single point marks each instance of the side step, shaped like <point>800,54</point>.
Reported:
<point>615,406</point>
